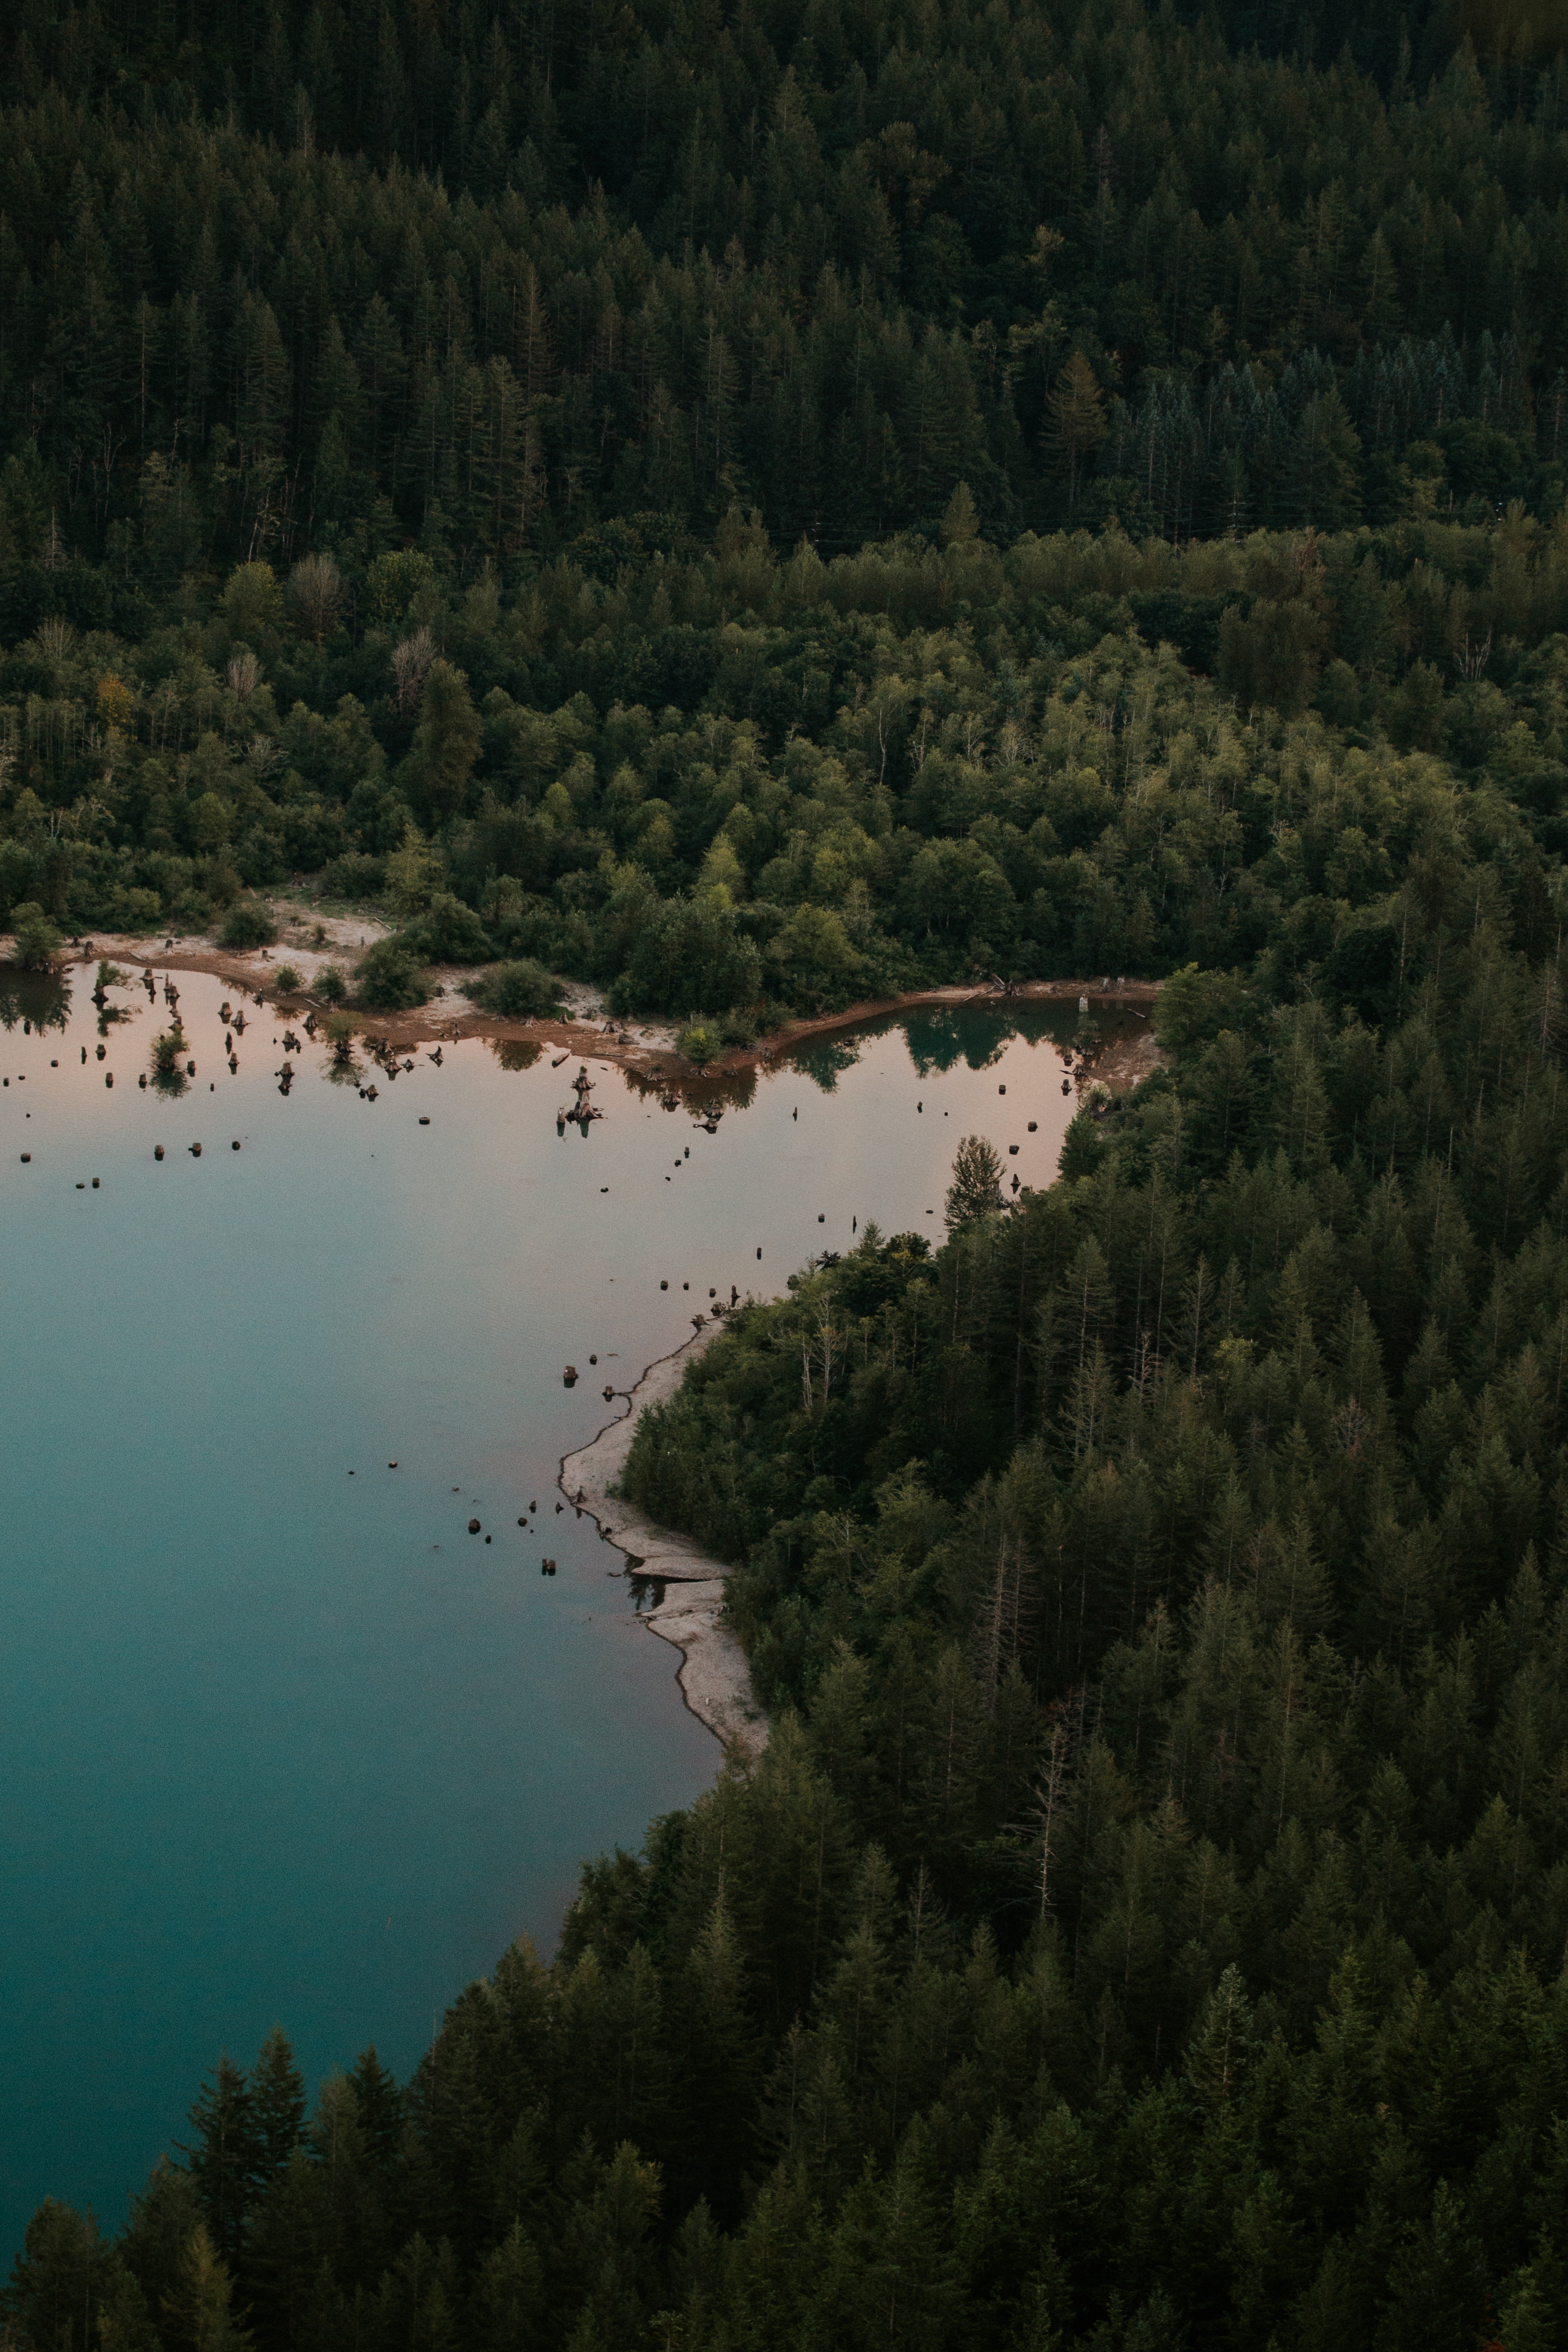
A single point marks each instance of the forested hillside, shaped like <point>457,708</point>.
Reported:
<point>756,506</point>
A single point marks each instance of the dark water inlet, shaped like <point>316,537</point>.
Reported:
<point>277,1744</point>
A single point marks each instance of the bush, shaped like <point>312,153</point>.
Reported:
<point>354,876</point>
<point>286,980</point>
<point>447,933</point>
<point>135,910</point>
<point>330,983</point>
<point>532,929</point>
<point>390,980</point>
<point>700,1043</point>
<point>248,924</point>
<point>523,991</point>
<point>37,941</point>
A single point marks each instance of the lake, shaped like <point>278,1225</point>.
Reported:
<point>279,1741</point>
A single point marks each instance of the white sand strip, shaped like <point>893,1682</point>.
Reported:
<point>713,1678</point>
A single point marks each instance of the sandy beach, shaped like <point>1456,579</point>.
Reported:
<point>713,1676</point>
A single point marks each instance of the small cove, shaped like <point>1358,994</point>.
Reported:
<point>283,1744</point>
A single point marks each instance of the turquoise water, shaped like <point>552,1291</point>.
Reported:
<point>279,1741</point>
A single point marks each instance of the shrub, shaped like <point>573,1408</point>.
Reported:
<point>286,980</point>
<point>135,910</point>
<point>330,983</point>
<point>447,933</point>
<point>523,991</point>
<point>37,941</point>
<point>248,924</point>
<point>354,876</point>
<point>390,980</point>
<point>699,1043</point>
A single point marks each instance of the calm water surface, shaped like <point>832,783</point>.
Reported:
<point>283,1744</point>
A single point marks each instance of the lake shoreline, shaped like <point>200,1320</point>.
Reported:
<point>713,1678</point>
<point>645,1050</point>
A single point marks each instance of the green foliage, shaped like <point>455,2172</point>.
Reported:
<point>390,980</point>
<point>446,745</point>
<point>779,509</point>
<point>689,957</point>
<point>447,931</point>
<point>976,1187</point>
<point>286,978</point>
<point>167,1061</point>
<point>701,1042</point>
<point>36,943</point>
<point>354,876</point>
<point>248,924</point>
<point>330,985</point>
<point>523,991</point>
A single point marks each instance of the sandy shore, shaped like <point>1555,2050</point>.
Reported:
<point>712,1676</point>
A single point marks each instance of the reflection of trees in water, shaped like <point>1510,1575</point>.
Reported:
<point>823,1058</point>
<point>44,998</point>
<point>343,1070</point>
<point>169,1050</point>
<point>515,1052</point>
<point>941,1035</point>
<point>713,1090</point>
<point>722,1090</point>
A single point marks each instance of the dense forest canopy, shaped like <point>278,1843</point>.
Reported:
<point>757,506</point>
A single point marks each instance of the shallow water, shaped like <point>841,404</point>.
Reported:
<point>283,1744</point>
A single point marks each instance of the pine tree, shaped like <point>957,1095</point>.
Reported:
<point>976,1187</point>
<point>1077,422</point>
<point>446,745</point>
<point>224,2159</point>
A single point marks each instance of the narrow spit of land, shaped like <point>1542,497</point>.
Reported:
<point>688,1586</point>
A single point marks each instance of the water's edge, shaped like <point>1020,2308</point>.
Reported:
<point>713,1676</point>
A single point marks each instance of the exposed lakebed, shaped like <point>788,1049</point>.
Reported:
<point>283,1744</point>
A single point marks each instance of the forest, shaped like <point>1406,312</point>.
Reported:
<point>761,505</point>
